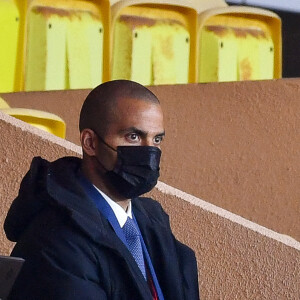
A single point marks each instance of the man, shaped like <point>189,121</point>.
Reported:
<point>80,225</point>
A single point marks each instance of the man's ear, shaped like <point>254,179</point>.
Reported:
<point>88,141</point>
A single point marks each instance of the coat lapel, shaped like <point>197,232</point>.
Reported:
<point>161,246</point>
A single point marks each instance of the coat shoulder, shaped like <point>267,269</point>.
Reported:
<point>151,209</point>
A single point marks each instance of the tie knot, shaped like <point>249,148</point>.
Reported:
<point>130,229</point>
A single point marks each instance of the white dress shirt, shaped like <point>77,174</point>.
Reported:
<point>118,210</point>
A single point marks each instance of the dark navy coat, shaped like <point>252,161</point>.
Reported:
<point>72,252</point>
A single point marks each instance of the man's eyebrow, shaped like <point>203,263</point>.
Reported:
<point>133,129</point>
<point>161,134</point>
<point>139,131</point>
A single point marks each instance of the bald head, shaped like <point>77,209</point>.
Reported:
<point>98,110</point>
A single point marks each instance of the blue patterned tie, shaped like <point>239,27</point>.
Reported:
<point>132,236</point>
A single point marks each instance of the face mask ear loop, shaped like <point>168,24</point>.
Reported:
<point>99,162</point>
<point>103,142</point>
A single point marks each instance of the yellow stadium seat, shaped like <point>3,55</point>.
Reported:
<point>46,51</point>
<point>217,54</point>
<point>238,43</point>
<point>65,44</point>
<point>40,119</point>
<point>170,54</point>
<point>153,42</point>
<point>252,61</point>
<point>9,38</point>
<point>3,103</point>
<point>84,57</point>
<point>266,59</point>
<point>37,118</point>
<point>142,55</point>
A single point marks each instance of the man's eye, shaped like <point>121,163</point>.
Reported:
<point>133,137</point>
<point>158,139</point>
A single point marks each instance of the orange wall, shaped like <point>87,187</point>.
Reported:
<point>237,259</point>
<point>234,144</point>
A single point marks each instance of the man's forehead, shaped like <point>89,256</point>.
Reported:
<point>134,106</point>
<point>136,100</point>
<point>132,113</point>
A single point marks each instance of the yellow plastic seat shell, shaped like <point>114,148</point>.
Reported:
<point>53,30</point>
<point>270,19</point>
<point>199,5</point>
<point>43,120</point>
<point>157,72</point>
<point>9,35</point>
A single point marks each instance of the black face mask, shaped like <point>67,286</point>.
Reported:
<point>136,171</point>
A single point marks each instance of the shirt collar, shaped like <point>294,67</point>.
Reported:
<point>119,212</point>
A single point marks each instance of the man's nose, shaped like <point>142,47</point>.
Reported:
<point>147,142</point>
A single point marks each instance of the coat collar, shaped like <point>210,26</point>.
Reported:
<point>65,191</point>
